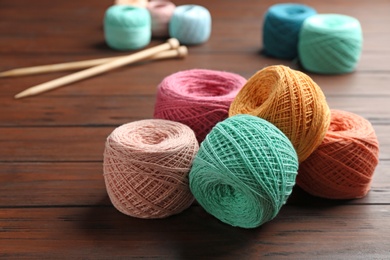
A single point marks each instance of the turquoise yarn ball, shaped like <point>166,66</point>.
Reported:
<point>282,24</point>
<point>330,44</point>
<point>190,24</point>
<point>244,171</point>
<point>127,27</point>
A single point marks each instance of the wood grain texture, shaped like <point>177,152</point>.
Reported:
<point>50,144</point>
<point>53,202</point>
<point>117,109</point>
<point>94,232</point>
<point>60,184</point>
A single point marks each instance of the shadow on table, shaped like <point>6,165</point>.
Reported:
<point>188,235</point>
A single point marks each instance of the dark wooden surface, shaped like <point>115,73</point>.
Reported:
<point>53,202</point>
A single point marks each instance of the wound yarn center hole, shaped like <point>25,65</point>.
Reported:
<point>160,5</point>
<point>294,11</point>
<point>334,23</point>
<point>189,8</point>
<point>129,8</point>
<point>208,90</point>
<point>152,136</point>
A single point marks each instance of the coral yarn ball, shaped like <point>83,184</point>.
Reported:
<point>290,100</point>
<point>342,167</point>
<point>198,98</point>
<point>244,171</point>
<point>146,166</point>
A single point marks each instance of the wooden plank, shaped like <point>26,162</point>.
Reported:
<point>361,83</point>
<point>374,61</point>
<point>331,232</point>
<point>77,111</point>
<point>53,144</point>
<point>84,143</point>
<point>68,144</point>
<point>374,109</point>
<point>358,84</point>
<point>82,184</point>
<point>52,184</point>
<point>111,109</point>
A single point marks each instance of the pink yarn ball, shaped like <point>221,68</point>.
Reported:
<point>199,98</point>
<point>161,13</point>
<point>146,166</point>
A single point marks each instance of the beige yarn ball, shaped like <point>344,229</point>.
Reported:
<point>146,166</point>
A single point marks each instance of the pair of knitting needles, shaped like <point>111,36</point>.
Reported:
<point>169,49</point>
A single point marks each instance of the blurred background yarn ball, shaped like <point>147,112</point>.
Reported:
<point>281,27</point>
<point>342,167</point>
<point>127,27</point>
<point>190,24</point>
<point>330,44</point>
<point>161,12</point>
<point>290,100</point>
<point>146,166</point>
<point>139,3</point>
<point>244,171</point>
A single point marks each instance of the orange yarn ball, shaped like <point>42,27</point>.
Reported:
<point>291,101</point>
<point>146,167</point>
<point>343,165</point>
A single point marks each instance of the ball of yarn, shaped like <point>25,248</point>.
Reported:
<point>127,27</point>
<point>199,98</point>
<point>146,166</point>
<point>290,100</point>
<point>139,3</point>
<point>330,43</point>
<point>244,171</point>
<point>342,167</point>
<point>161,12</point>
<point>190,24</point>
<point>282,24</point>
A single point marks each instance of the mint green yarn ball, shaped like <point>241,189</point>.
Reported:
<point>127,27</point>
<point>330,44</point>
<point>244,171</point>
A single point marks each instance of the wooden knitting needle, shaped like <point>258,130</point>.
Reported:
<point>179,53</point>
<point>170,44</point>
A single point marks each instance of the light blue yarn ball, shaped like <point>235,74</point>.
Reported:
<point>330,44</point>
<point>190,24</point>
<point>127,27</point>
<point>282,24</point>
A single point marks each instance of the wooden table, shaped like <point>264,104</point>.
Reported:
<point>53,202</point>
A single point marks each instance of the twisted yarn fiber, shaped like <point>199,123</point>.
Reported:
<point>343,165</point>
<point>282,24</point>
<point>146,166</point>
<point>330,43</point>
<point>198,98</point>
<point>290,100</point>
<point>244,171</point>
